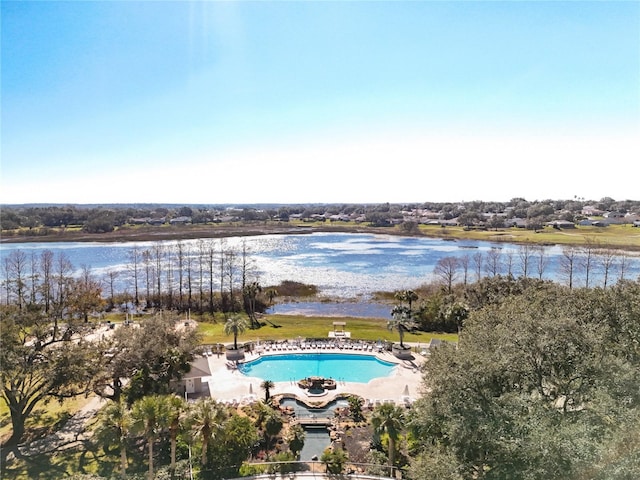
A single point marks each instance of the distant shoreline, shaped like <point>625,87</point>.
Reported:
<point>615,237</point>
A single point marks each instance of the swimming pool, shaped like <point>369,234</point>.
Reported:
<point>339,366</point>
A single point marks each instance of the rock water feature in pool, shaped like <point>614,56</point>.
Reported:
<point>317,438</point>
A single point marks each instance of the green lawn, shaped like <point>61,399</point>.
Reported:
<point>281,327</point>
<point>44,419</point>
<point>615,236</point>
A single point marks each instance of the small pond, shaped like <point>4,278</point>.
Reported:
<point>333,309</point>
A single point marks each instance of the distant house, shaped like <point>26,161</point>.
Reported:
<point>590,211</point>
<point>561,224</point>
<point>191,382</point>
<point>180,220</point>
<point>516,222</point>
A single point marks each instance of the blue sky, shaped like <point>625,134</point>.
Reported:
<point>294,102</point>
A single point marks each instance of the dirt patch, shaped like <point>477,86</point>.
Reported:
<point>357,442</point>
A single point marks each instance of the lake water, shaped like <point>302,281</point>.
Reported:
<point>345,265</point>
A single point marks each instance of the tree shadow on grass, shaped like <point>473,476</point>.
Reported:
<point>84,457</point>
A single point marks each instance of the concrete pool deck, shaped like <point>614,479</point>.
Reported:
<point>230,385</point>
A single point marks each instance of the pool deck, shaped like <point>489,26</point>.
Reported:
<point>227,384</point>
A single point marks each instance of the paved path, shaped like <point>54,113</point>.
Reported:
<point>70,435</point>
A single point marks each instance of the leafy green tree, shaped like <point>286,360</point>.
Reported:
<point>233,445</point>
<point>334,460</point>
<point>536,388</point>
<point>388,419</point>
<point>149,418</point>
<point>272,427</point>
<point>434,463</point>
<point>176,410</point>
<point>36,366</point>
<point>150,357</point>
<point>114,427</point>
<point>295,439</point>
<point>206,419</point>
<point>355,407</point>
<point>235,326</point>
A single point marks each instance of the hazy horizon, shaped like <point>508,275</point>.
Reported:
<point>319,102</point>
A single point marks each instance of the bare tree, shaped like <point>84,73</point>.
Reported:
<point>34,275</point>
<point>189,277</point>
<point>147,262</point>
<point>180,256</point>
<point>508,262</point>
<point>447,269</point>
<point>607,261</point>
<point>477,264</point>
<point>202,261</point>
<point>211,263</point>
<point>230,263</point>
<point>7,280</point>
<point>169,274</point>
<point>112,275</point>
<point>46,285</point>
<point>62,281</point>
<point>222,265</point>
<point>492,265</point>
<point>16,266</point>
<point>525,253</point>
<point>135,257</point>
<point>158,258</point>
<point>587,258</point>
<point>541,263</point>
<point>464,262</point>
<point>568,264</point>
<point>623,264</point>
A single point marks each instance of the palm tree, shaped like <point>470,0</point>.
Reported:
<point>267,385</point>
<point>149,417</point>
<point>235,326</point>
<point>114,423</point>
<point>402,322</point>
<point>388,418</point>
<point>295,439</point>
<point>175,407</point>
<point>271,294</point>
<point>205,420</point>
<point>408,296</point>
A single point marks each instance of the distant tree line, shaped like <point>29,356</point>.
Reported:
<point>37,220</point>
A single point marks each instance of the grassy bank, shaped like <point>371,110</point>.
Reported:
<point>613,236</point>
<point>283,327</point>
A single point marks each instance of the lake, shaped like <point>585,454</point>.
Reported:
<point>344,265</point>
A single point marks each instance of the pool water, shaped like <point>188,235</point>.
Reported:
<point>339,366</point>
